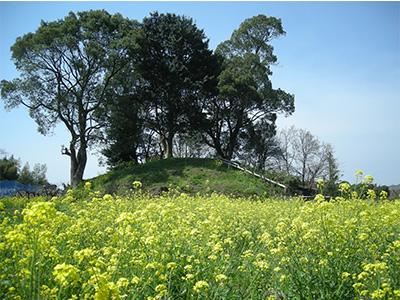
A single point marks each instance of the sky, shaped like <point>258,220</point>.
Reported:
<point>341,60</point>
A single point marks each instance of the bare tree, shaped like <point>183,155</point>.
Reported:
<point>307,155</point>
<point>304,155</point>
<point>286,158</point>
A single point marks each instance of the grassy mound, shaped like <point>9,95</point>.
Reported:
<point>188,175</point>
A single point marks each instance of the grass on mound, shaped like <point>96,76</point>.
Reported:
<point>188,175</point>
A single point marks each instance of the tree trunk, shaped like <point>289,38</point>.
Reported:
<point>78,164</point>
<point>229,152</point>
<point>215,143</point>
<point>167,145</point>
<point>168,152</point>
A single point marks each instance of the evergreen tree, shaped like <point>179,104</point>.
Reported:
<point>25,175</point>
<point>245,93</point>
<point>177,68</point>
<point>9,168</point>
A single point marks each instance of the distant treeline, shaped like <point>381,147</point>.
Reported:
<point>11,170</point>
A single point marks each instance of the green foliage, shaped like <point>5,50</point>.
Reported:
<point>124,131</point>
<point>135,87</point>
<point>36,176</point>
<point>177,68</point>
<point>66,69</point>
<point>245,93</point>
<point>25,175</point>
<point>259,145</point>
<point>9,168</point>
<point>254,36</point>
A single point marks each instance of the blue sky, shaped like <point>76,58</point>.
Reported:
<point>340,59</point>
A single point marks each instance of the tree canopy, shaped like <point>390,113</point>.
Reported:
<point>138,89</point>
<point>177,68</point>
<point>66,67</point>
<point>245,93</point>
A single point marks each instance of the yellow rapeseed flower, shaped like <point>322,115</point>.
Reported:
<point>201,286</point>
<point>135,280</point>
<point>137,184</point>
<point>88,185</point>
<point>368,179</point>
<point>371,194</point>
<point>66,274</point>
<point>383,195</point>
<point>220,278</point>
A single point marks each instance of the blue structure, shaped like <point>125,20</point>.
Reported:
<point>12,187</point>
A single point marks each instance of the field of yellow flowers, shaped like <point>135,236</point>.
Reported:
<point>199,247</point>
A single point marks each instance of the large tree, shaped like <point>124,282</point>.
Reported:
<point>177,68</point>
<point>245,93</point>
<point>66,67</point>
